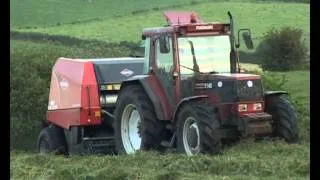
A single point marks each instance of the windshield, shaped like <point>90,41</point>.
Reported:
<point>212,54</point>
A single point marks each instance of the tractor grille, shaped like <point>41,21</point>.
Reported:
<point>246,93</point>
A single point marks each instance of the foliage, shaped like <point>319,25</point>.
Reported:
<point>282,50</point>
<point>30,72</point>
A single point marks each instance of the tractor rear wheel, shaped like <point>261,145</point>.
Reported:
<point>285,118</point>
<point>137,127</point>
<point>198,129</point>
<point>51,140</point>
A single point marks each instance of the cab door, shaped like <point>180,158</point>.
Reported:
<point>164,66</point>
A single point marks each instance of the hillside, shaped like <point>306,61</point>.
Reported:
<point>35,13</point>
<point>260,17</point>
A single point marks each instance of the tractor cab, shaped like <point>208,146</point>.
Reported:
<point>189,56</point>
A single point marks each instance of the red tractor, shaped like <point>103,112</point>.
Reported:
<point>187,93</point>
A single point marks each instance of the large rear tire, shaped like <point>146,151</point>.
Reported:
<point>51,140</point>
<point>136,125</point>
<point>198,129</point>
<point>285,118</point>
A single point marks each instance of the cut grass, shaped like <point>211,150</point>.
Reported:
<point>247,160</point>
<point>260,17</point>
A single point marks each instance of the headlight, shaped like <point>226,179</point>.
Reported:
<point>242,107</point>
<point>257,106</point>
<point>111,99</point>
<point>108,99</point>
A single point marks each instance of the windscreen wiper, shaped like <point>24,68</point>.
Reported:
<point>211,72</point>
<point>195,70</point>
<point>195,64</point>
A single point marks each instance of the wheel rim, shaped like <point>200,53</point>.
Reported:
<point>191,136</point>
<point>130,125</point>
<point>43,147</point>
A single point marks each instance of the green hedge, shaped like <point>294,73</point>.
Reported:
<point>283,50</point>
<point>30,73</point>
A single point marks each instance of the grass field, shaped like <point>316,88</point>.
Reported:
<point>247,161</point>
<point>260,17</point>
<point>107,22</point>
<point>34,13</point>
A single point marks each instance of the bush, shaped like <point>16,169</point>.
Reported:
<point>282,50</point>
<point>272,82</point>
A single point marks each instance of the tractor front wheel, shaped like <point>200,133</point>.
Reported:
<point>285,118</point>
<point>198,129</point>
<point>136,125</point>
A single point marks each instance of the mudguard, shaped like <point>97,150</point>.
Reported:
<point>184,101</point>
<point>274,93</point>
<point>142,80</point>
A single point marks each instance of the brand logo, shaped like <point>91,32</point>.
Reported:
<point>203,85</point>
<point>126,72</point>
<point>204,28</point>
<point>64,84</point>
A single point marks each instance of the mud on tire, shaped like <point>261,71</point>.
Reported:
<point>203,112</point>
<point>150,129</point>
<point>285,117</point>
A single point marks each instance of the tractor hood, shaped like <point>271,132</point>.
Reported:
<point>231,87</point>
<point>229,76</point>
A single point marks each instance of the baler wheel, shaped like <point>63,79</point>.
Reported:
<point>137,127</point>
<point>50,141</point>
<point>285,118</point>
<point>198,129</point>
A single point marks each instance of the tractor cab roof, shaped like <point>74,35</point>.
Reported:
<point>181,17</point>
<point>189,22</point>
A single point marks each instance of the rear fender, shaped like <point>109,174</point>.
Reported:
<point>142,81</point>
<point>274,93</point>
<point>269,94</point>
<point>185,101</point>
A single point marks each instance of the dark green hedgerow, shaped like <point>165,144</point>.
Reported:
<point>282,50</point>
<point>96,46</point>
<point>30,73</point>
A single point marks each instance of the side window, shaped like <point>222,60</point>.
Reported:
<point>164,55</point>
<point>146,56</point>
